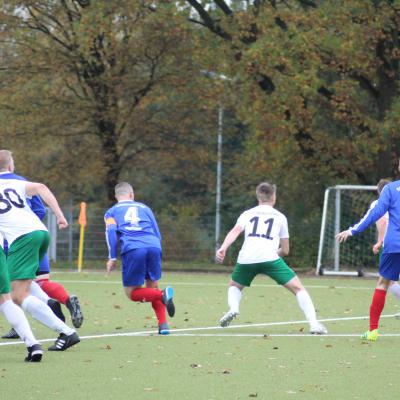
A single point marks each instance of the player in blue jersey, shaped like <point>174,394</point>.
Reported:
<point>389,265</point>
<point>50,292</point>
<point>133,226</point>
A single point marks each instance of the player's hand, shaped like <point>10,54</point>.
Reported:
<point>62,222</point>
<point>220,255</point>
<point>342,236</point>
<point>376,247</point>
<point>111,265</point>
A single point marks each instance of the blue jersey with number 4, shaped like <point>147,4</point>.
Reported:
<point>133,225</point>
<point>389,201</point>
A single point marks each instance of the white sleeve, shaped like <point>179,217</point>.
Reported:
<point>242,220</point>
<point>284,232</point>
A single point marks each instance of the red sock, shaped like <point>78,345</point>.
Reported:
<point>54,290</point>
<point>159,309</point>
<point>375,310</point>
<point>146,295</point>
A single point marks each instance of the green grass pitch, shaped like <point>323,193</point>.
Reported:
<point>268,355</point>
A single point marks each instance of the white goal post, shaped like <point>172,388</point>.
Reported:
<point>344,205</point>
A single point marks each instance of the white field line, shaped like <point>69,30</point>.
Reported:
<point>220,284</point>
<point>356,335</point>
<point>184,331</point>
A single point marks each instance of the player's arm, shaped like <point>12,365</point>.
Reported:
<point>112,242</point>
<point>39,189</point>
<point>229,239</point>
<point>284,247</point>
<point>370,217</point>
<point>381,226</point>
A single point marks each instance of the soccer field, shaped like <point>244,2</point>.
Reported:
<point>265,354</point>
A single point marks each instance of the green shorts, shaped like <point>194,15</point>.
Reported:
<point>278,270</point>
<point>4,276</point>
<point>25,254</point>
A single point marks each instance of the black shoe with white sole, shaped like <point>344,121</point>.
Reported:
<point>35,353</point>
<point>64,341</point>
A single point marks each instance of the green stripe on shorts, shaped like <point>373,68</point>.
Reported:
<point>4,276</point>
<point>25,254</point>
<point>278,270</point>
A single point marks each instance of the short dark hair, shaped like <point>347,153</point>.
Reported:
<point>265,191</point>
<point>381,184</point>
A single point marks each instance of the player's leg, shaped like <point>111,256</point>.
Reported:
<point>394,289</point>
<point>15,316</point>
<point>134,274</point>
<point>279,271</point>
<point>23,259</point>
<point>36,291</point>
<point>57,291</point>
<point>242,276</point>
<point>153,275</point>
<point>389,270</point>
<point>17,319</point>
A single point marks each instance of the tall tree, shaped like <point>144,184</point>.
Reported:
<point>88,67</point>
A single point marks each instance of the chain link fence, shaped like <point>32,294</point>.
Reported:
<point>184,238</point>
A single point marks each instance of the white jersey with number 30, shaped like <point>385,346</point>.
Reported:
<point>16,217</point>
<point>263,226</point>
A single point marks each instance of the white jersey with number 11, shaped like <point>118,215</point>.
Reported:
<point>264,227</point>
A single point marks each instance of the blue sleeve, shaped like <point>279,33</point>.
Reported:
<point>38,207</point>
<point>154,223</point>
<point>373,214</point>
<point>111,236</point>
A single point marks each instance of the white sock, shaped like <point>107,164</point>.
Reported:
<point>17,319</point>
<point>234,297</point>
<point>38,292</point>
<point>307,306</point>
<point>394,288</point>
<point>42,313</point>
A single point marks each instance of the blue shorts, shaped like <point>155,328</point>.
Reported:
<point>389,266</point>
<point>139,265</point>
<point>44,265</point>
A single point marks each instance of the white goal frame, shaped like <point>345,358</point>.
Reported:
<point>336,264</point>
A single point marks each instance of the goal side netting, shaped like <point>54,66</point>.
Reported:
<point>344,205</point>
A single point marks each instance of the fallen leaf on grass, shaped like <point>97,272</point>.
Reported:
<point>328,345</point>
<point>253,395</point>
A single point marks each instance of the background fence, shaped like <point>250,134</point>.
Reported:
<point>186,238</point>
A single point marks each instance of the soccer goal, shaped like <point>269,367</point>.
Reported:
<point>344,205</point>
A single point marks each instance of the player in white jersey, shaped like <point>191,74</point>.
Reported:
<point>28,241</point>
<point>266,241</point>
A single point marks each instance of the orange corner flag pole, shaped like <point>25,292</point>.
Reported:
<point>82,222</point>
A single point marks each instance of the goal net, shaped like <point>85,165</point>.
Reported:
<point>344,205</point>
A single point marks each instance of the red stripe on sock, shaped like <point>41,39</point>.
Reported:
<point>146,295</point>
<point>54,290</point>
<point>375,310</point>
